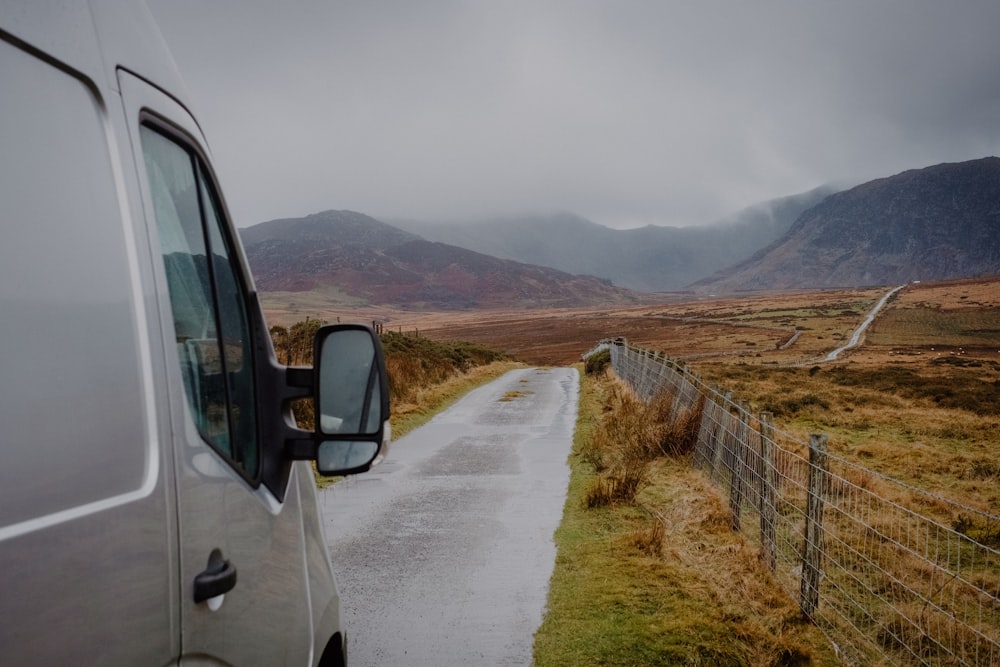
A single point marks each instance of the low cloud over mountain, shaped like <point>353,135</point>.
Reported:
<point>936,223</point>
<point>927,224</point>
<point>649,259</point>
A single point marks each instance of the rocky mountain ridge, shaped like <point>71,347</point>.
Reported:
<point>936,223</point>
<point>373,261</point>
<point>929,224</point>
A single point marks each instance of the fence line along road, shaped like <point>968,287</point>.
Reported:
<point>891,573</point>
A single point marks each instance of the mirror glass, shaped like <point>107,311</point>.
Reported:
<point>347,379</point>
<point>345,454</point>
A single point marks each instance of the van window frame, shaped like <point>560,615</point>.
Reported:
<point>205,179</point>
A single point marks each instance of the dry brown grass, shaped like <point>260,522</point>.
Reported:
<point>721,565</point>
<point>621,484</point>
<point>918,400</point>
<point>663,580</point>
<point>748,328</point>
<point>629,436</point>
<point>893,422</point>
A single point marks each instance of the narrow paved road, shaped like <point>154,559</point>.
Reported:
<point>856,338</point>
<point>444,552</point>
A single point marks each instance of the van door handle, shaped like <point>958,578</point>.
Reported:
<point>218,578</point>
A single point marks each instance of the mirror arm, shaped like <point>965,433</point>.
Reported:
<point>300,377</point>
<point>303,446</point>
<point>301,449</point>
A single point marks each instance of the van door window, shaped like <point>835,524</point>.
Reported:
<point>210,319</point>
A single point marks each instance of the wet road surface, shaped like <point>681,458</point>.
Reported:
<point>444,552</point>
<point>856,338</point>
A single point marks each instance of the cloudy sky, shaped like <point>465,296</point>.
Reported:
<point>626,112</point>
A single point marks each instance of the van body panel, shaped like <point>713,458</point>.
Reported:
<point>87,525</point>
<point>124,27</point>
<point>116,496</point>
<point>60,32</point>
<point>324,599</point>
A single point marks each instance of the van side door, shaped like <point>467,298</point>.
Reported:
<point>87,532</point>
<point>244,589</point>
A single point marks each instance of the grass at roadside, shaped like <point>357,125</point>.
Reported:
<point>661,581</point>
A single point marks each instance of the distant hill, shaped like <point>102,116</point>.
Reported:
<point>936,223</point>
<point>648,259</point>
<point>370,260</point>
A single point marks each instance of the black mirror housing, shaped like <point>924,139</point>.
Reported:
<point>351,392</point>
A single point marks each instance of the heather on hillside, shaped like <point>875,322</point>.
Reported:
<point>414,362</point>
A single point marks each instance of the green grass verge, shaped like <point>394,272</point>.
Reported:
<point>664,582</point>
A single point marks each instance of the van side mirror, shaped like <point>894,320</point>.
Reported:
<point>352,399</point>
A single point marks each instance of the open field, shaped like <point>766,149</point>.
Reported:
<point>746,330</point>
<point>754,326</point>
<point>919,399</point>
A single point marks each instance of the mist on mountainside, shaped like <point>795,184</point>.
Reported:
<point>935,223</point>
<point>648,259</point>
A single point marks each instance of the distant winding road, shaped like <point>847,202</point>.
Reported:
<point>864,325</point>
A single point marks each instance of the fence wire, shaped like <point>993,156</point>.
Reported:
<point>892,574</point>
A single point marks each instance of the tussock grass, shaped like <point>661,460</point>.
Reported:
<point>628,437</point>
<point>621,485</point>
<point>661,580</point>
<point>597,362</point>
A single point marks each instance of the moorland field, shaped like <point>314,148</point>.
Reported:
<point>918,399</point>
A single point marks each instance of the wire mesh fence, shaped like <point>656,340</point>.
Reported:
<point>892,574</point>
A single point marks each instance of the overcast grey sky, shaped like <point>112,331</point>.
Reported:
<point>627,112</point>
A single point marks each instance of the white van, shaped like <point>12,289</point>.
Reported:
<point>155,503</point>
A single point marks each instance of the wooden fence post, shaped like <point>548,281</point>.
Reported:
<point>812,550</point>
<point>739,466</point>
<point>768,491</point>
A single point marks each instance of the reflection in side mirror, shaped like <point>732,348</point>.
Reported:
<point>345,454</point>
<point>347,383</point>
<point>352,399</point>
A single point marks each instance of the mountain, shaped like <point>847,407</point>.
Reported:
<point>370,260</point>
<point>649,259</point>
<point>935,223</point>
